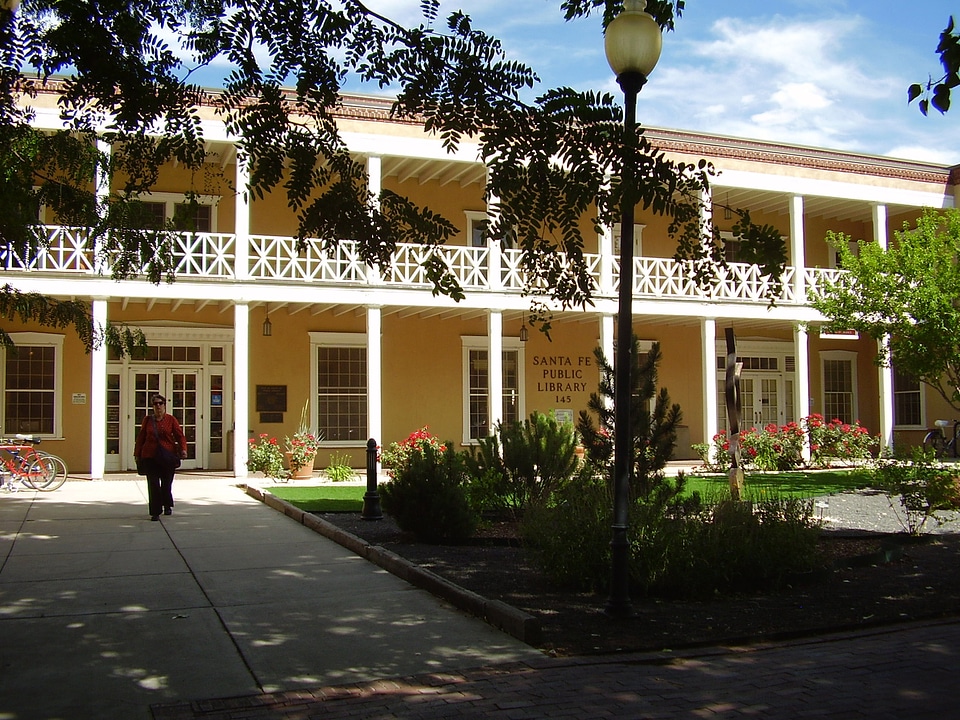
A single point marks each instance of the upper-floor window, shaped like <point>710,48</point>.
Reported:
<point>637,240</point>
<point>158,209</point>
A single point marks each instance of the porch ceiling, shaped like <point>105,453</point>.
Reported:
<point>778,203</point>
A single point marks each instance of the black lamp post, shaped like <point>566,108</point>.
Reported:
<point>632,43</point>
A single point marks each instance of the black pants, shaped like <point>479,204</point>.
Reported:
<point>159,487</point>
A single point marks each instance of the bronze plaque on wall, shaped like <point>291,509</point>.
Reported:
<point>271,398</point>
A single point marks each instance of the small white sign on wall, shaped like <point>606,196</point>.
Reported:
<point>79,398</point>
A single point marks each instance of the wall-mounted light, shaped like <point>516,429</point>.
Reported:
<point>524,334</point>
<point>267,327</point>
<point>727,212</point>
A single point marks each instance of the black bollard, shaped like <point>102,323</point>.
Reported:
<point>371,498</point>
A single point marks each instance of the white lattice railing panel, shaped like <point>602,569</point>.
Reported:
<point>747,283</point>
<point>816,279</point>
<point>64,250</point>
<point>276,259</point>
<point>407,265</point>
<point>663,278</point>
<point>204,255</point>
<point>469,265</point>
<point>512,274</point>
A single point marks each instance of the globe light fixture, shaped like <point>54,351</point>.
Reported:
<point>632,42</point>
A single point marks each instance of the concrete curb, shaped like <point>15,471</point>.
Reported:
<point>521,625</point>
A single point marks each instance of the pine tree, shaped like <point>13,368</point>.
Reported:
<point>654,432</point>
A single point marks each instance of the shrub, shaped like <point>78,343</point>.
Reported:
<point>398,456</point>
<point>570,536</point>
<point>339,468</point>
<point>264,455</point>
<point>427,495</point>
<point>680,547</point>
<point>837,440</point>
<point>919,488</point>
<point>523,463</point>
<point>654,433</point>
<point>780,447</point>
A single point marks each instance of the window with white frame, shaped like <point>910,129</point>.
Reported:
<point>907,400</point>
<point>478,231</point>
<point>834,254</point>
<point>160,208</point>
<point>340,386</point>
<point>32,384</point>
<point>838,370</point>
<point>477,225</point>
<point>476,367</point>
<point>637,240</point>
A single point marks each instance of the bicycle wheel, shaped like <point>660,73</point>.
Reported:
<point>39,473</point>
<point>61,472</point>
<point>935,441</point>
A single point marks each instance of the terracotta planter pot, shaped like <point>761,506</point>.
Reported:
<point>305,472</point>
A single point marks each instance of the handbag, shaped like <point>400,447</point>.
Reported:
<point>141,466</point>
<point>164,458</point>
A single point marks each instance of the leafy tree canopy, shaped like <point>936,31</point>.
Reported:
<point>127,69</point>
<point>906,297</point>
<point>937,92</point>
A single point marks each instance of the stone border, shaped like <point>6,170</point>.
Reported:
<point>521,625</point>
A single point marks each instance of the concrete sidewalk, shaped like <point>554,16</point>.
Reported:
<point>104,613</point>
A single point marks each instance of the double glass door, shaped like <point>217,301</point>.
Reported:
<point>181,388</point>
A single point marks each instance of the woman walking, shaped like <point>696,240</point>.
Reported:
<point>159,448</point>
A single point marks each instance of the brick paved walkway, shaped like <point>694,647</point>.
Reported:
<point>896,672</point>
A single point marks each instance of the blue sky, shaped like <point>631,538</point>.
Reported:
<point>824,73</point>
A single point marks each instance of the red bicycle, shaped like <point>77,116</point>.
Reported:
<point>21,464</point>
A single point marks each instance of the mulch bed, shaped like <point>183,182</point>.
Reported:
<point>872,581</point>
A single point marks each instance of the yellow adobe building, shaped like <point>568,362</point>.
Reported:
<point>251,330</point>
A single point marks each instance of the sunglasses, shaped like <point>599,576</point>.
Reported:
<point>159,402</point>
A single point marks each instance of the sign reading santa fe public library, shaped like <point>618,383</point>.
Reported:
<point>561,375</point>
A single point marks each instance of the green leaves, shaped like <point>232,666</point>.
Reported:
<point>936,93</point>
<point>905,298</point>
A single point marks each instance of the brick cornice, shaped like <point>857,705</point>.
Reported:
<point>717,146</point>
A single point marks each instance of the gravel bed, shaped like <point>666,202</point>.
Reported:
<point>874,512</point>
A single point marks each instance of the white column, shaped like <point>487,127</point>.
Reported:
<point>98,396</point>
<point>495,373</point>
<point>375,186</point>
<point>102,190</point>
<point>605,240</point>
<point>241,223</point>
<point>375,373</point>
<point>607,346</point>
<point>801,383</point>
<point>607,337</point>
<point>241,387</point>
<point>494,248</point>
<point>708,345</point>
<point>797,249</point>
<point>886,373</point>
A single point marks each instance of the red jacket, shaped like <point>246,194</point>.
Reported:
<point>169,432</point>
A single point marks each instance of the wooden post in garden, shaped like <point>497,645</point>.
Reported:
<point>732,395</point>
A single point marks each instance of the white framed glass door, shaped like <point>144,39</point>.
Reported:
<point>182,388</point>
<point>761,401</point>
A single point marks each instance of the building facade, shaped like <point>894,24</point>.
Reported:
<point>252,331</point>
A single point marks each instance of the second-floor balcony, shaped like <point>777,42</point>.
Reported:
<point>217,257</point>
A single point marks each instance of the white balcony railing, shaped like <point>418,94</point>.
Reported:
<point>275,259</point>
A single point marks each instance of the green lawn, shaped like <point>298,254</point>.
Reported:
<point>785,484</point>
<point>349,498</point>
<point>323,498</point>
